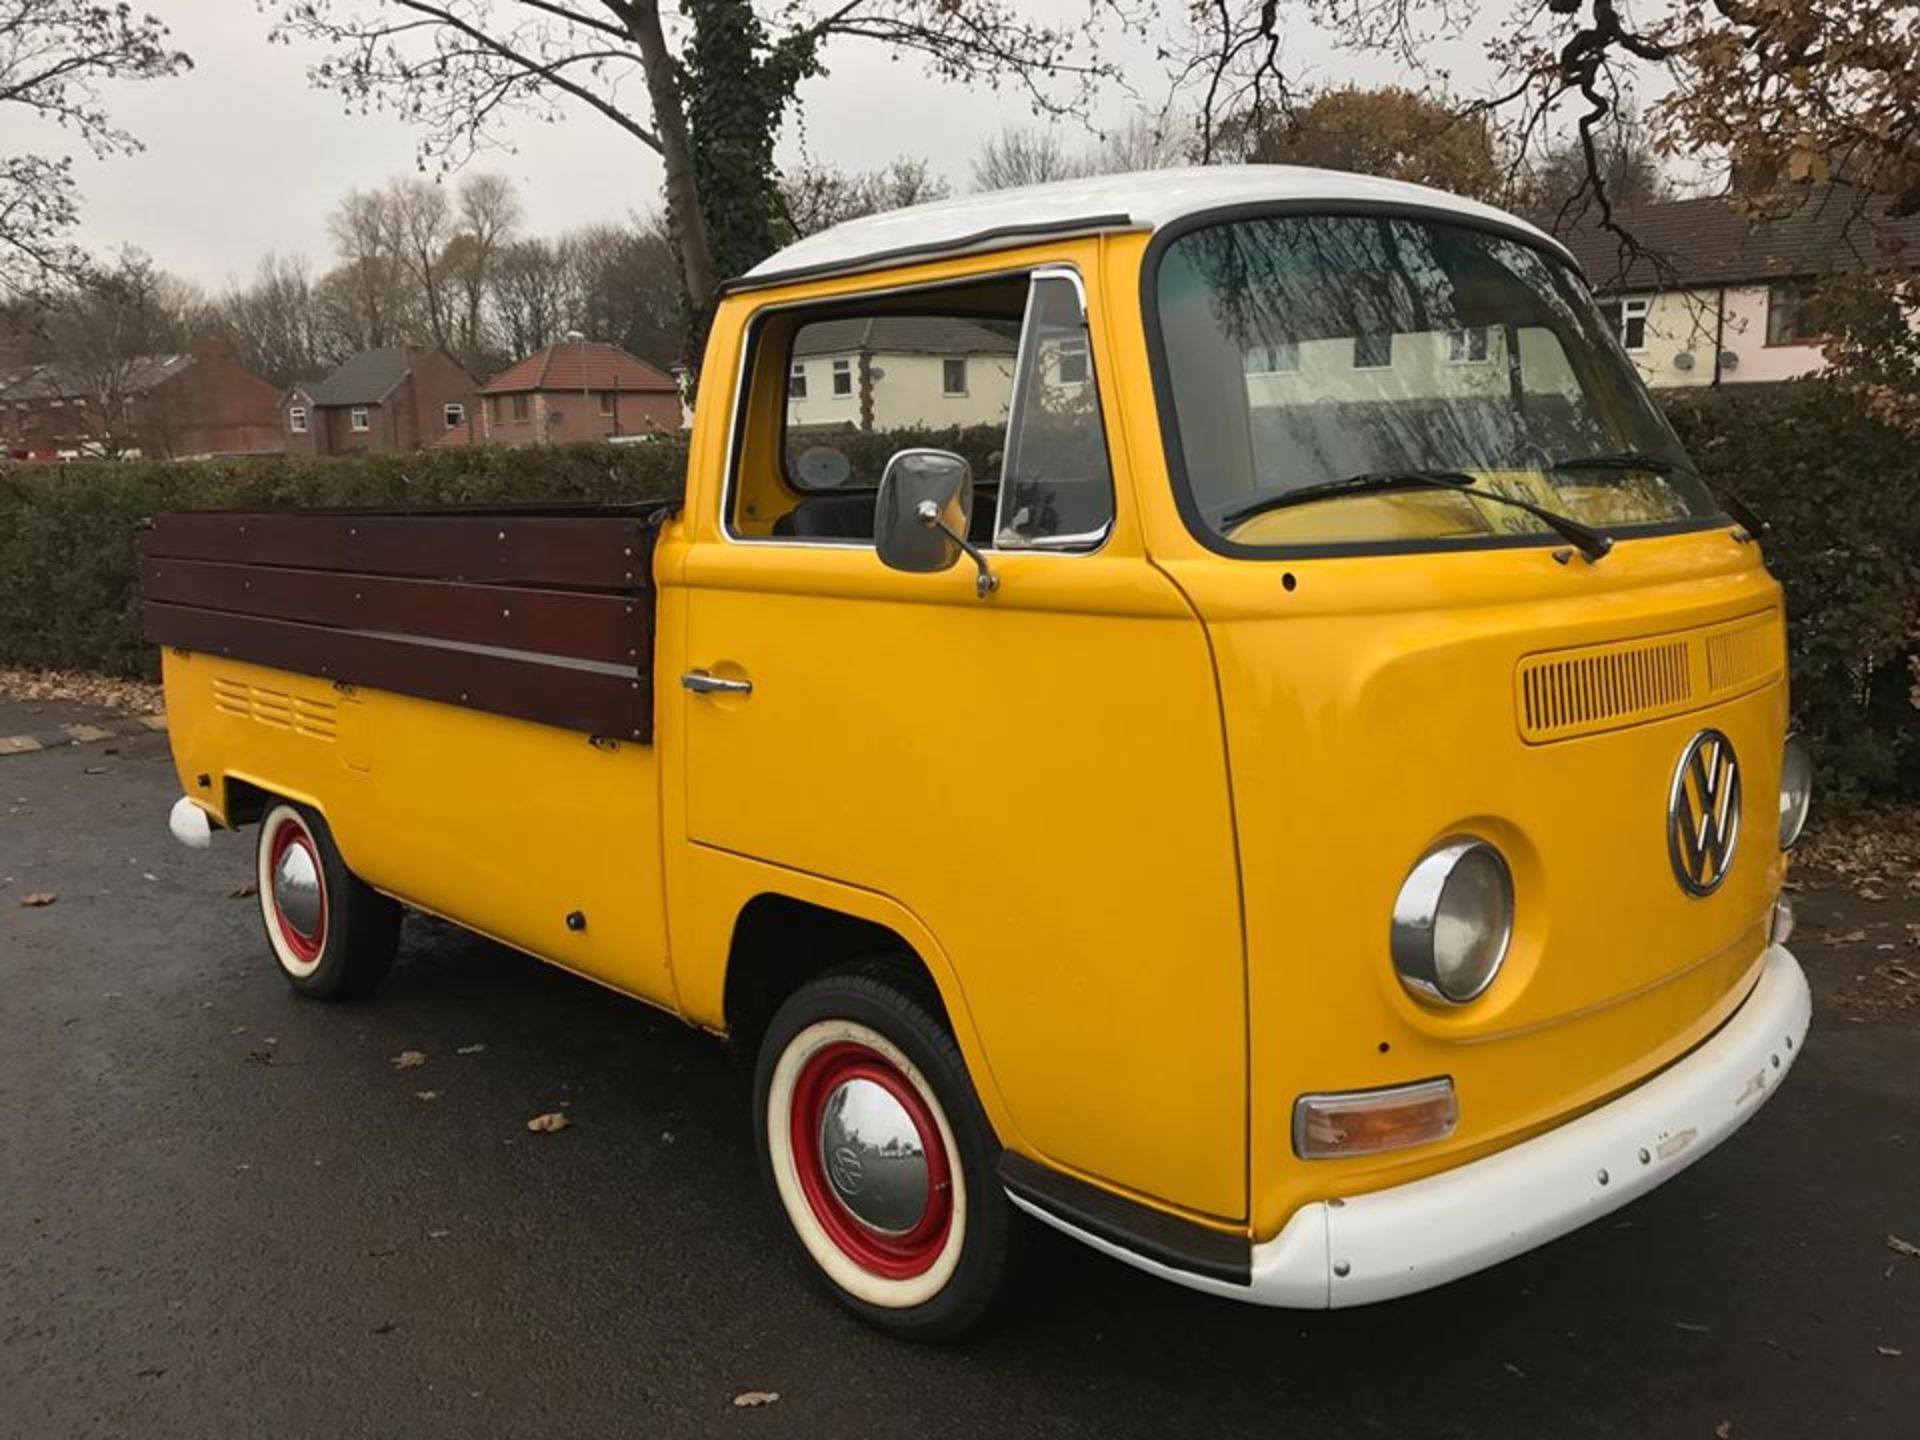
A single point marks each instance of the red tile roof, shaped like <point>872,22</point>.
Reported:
<point>580,365</point>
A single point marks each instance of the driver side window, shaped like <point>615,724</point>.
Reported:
<point>998,372</point>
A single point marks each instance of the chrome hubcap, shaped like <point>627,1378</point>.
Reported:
<point>296,889</point>
<point>874,1157</point>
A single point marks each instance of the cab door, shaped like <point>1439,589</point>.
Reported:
<point>1036,775</point>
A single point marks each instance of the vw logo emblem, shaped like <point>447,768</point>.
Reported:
<point>847,1171</point>
<point>1703,813</point>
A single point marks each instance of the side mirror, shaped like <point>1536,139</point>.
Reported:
<point>922,514</point>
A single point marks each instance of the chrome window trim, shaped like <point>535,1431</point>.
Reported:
<point>736,420</point>
<point>1090,540</point>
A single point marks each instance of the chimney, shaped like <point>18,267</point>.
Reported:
<point>212,347</point>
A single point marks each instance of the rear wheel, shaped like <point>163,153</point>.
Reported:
<point>331,933</point>
<point>875,1148</point>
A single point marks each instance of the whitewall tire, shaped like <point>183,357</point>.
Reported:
<point>331,934</point>
<point>877,1154</point>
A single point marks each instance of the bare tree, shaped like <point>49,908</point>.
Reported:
<point>274,324</point>
<point>368,295</point>
<point>818,196</point>
<point>54,55</point>
<point>110,332</point>
<point>489,216</point>
<point>1632,169</point>
<point>421,220</point>
<point>530,300</point>
<point>705,89</point>
<point>622,289</point>
<point>1024,155</point>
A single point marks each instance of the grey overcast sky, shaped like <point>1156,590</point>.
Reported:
<point>244,157</point>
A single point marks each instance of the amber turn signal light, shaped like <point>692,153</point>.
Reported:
<point>1365,1122</point>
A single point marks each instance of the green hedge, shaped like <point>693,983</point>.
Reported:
<point>1841,491</point>
<point>67,597</point>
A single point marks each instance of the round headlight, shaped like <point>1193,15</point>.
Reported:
<point>1453,922</point>
<point>1796,791</point>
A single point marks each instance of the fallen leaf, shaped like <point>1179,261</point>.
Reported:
<point>1723,1431</point>
<point>1903,1247</point>
<point>94,770</point>
<point>438,1234</point>
<point>39,901</point>
<point>1889,1351</point>
<point>546,1124</point>
<point>470,1049</point>
<point>241,892</point>
<point>409,1059</point>
<point>426,1094</point>
<point>755,1397</point>
<point>149,875</point>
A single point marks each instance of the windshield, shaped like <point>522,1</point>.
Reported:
<point>1305,350</point>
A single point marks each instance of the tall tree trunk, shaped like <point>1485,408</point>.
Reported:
<point>676,152</point>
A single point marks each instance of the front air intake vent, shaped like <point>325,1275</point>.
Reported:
<point>1566,693</point>
<point>1597,689</point>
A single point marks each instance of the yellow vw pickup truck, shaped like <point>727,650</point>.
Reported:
<point>1208,708</point>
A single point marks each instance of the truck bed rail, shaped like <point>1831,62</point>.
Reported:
<point>541,613</point>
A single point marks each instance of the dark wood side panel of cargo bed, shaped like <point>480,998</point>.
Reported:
<point>543,615</point>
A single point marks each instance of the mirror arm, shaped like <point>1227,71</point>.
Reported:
<point>986,582</point>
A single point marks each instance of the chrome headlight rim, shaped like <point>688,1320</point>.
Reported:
<point>1796,766</point>
<point>1416,912</point>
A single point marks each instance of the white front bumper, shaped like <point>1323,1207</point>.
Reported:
<point>1394,1242</point>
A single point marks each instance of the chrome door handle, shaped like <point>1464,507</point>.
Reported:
<point>701,683</point>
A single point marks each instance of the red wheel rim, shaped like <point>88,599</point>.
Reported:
<point>305,947</point>
<point>892,1257</point>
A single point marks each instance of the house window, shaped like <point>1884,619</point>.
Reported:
<point>297,419</point>
<point>1281,358</point>
<point>357,418</point>
<point>843,377</point>
<point>1467,347</point>
<point>797,381</point>
<point>606,402</point>
<point>1632,321</point>
<point>953,376</point>
<point>1793,313</point>
<point>454,414</point>
<point>522,406</point>
<point>1373,352</point>
<point>1073,362</point>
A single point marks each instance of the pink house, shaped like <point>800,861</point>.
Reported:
<point>1712,296</point>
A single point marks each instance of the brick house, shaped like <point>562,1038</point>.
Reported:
<point>186,405</point>
<point>578,390</point>
<point>396,398</point>
<point>1715,297</point>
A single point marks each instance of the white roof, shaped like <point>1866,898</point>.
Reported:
<point>1145,200</point>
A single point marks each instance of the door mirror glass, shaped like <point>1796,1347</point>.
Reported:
<point>925,506</point>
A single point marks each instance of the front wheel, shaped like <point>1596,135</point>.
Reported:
<point>875,1148</point>
<point>332,934</point>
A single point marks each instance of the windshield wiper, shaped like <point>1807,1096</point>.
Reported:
<point>1660,465</point>
<point>1590,542</point>
<point>1617,460</point>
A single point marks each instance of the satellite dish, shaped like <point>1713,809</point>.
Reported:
<point>1729,360</point>
<point>1683,361</point>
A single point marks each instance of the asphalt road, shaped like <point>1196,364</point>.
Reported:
<point>224,1211</point>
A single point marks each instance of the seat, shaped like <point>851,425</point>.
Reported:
<point>829,517</point>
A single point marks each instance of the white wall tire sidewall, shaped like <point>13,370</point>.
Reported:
<point>289,960</point>
<point>862,1284</point>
